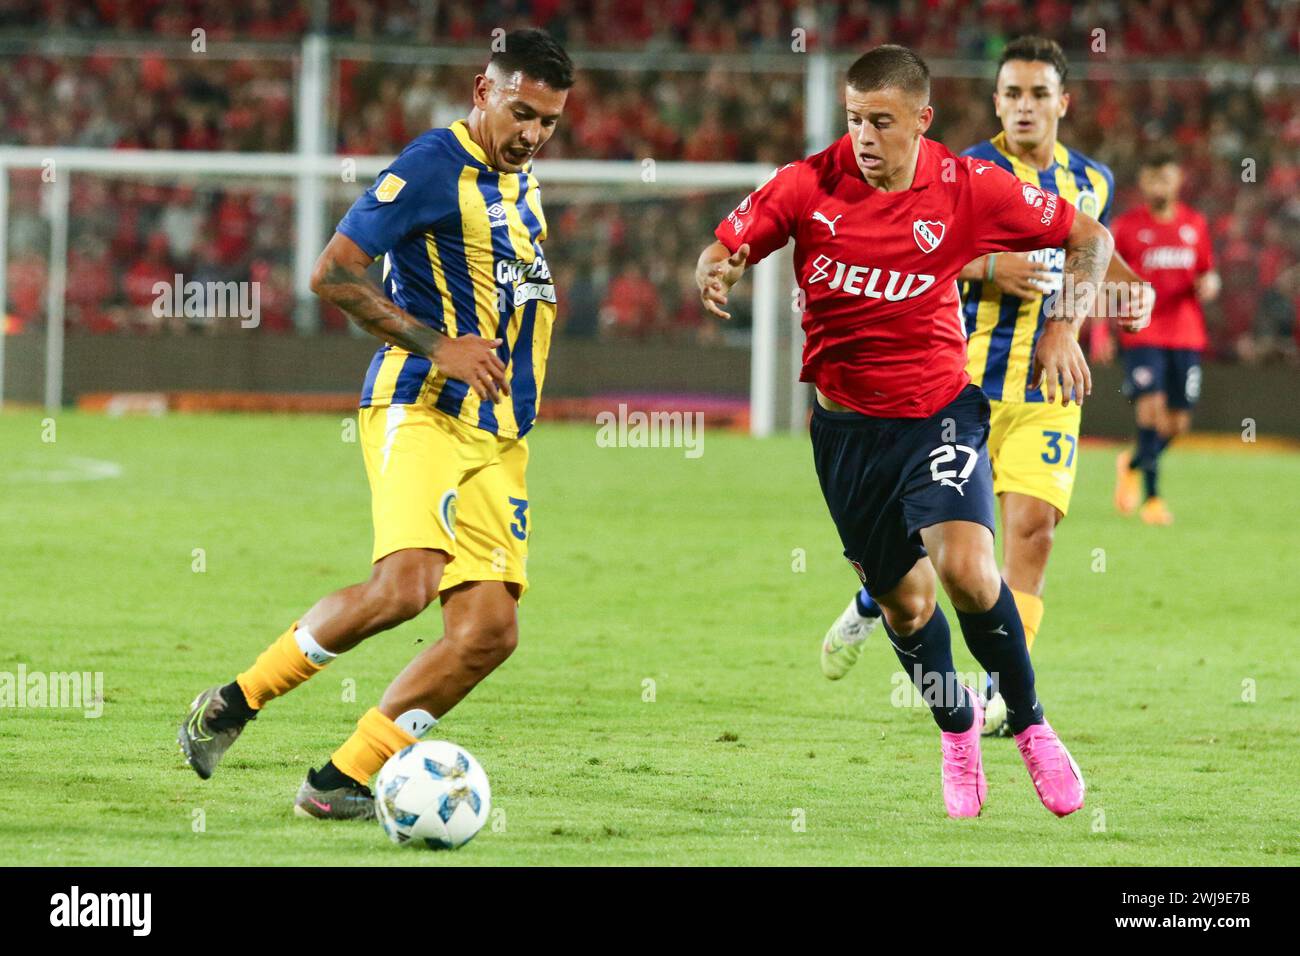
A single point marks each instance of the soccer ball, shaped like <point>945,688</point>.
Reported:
<point>432,792</point>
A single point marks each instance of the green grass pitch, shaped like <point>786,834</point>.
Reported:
<point>665,704</point>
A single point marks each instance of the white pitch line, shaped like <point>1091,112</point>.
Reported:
<point>74,469</point>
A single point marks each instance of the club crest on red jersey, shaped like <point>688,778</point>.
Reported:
<point>928,233</point>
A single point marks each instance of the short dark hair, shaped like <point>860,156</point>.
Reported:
<point>1036,50</point>
<point>537,55</point>
<point>890,65</point>
<point>1157,155</point>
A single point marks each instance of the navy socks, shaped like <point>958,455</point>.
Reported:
<point>926,656</point>
<point>996,638</point>
<point>1150,444</point>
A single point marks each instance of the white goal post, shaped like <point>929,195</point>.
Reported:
<point>310,172</point>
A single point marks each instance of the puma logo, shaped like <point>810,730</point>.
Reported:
<point>830,223</point>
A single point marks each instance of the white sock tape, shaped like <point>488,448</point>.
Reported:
<point>416,722</point>
<point>307,644</point>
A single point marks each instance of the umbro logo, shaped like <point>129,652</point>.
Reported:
<point>497,216</point>
<point>830,223</point>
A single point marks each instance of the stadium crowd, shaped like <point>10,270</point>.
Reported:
<point>616,261</point>
<point>1249,30</point>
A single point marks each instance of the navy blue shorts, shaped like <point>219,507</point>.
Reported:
<point>884,479</point>
<point>1176,372</point>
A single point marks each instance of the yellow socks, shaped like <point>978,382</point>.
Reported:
<point>282,666</point>
<point>375,740</point>
<point>1031,614</point>
<point>293,658</point>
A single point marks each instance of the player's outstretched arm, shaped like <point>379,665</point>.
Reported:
<point>716,272</point>
<point>340,277</point>
<point>1058,360</point>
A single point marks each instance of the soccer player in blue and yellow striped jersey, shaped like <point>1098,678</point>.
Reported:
<point>1032,444</point>
<point>465,312</point>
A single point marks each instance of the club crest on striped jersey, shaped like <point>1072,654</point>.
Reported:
<point>928,233</point>
<point>447,512</point>
<point>389,187</point>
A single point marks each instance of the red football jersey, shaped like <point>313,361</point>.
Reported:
<point>1171,256</point>
<point>878,269</point>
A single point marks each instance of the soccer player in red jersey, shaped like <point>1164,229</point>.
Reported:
<point>883,222</point>
<point>1005,297</point>
<point>1168,243</point>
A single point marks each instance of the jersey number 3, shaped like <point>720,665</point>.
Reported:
<point>519,527</point>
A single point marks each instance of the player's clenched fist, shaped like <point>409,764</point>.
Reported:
<point>474,361</point>
<point>1059,363</point>
<point>1140,304</point>
<point>716,273</point>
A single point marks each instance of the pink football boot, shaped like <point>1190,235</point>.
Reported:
<point>964,786</point>
<point>1056,776</point>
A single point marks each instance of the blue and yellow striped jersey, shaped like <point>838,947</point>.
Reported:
<point>462,252</point>
<point>1001,329</point>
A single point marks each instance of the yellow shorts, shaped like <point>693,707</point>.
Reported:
<point>1034,449</point>
<point>437,482</point>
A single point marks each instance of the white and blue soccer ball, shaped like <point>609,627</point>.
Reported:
<point>432,793</point>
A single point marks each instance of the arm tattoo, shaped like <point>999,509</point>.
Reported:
<point>1085,261</point>
<point>1085,267</point>
<point>372,311</point>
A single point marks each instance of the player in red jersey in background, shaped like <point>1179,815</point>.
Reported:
<point>883,221</point>
<point>1168,244</point>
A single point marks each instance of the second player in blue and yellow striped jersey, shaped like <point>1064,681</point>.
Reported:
<point>462,248</point>
<point>1002,329</point>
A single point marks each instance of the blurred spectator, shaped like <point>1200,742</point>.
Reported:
<point>26,279</point>
<point>579,302</point>
<point>632,308</point>
<point>1276,333</point>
